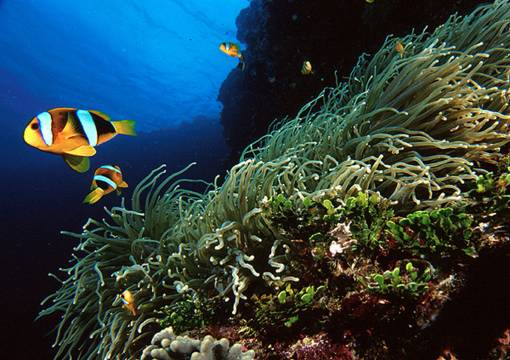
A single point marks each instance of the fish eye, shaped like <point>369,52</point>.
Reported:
<point>34,126</point>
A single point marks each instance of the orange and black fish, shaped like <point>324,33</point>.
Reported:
<point>399,47</point>
<point>232,49</point>
<point>128,301</point>
<point>107,178</point>
<point>73,133</point>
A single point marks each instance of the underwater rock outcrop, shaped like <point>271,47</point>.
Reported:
<point>356,218</point>
<point>281,35</point>
<point>165,345</point>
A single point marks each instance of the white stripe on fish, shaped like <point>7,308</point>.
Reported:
<point>105,180</point>
<point>108,167</point>
<point>87,123</point>
<point>45,127</point>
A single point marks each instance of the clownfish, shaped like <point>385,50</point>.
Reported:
<point>232,49</point>
<point>128,301</point>
<point>73,133</point>
<point>399,47</point>
<point>107,178</point>
<point>306,69</point>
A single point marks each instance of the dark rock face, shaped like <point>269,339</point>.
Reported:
<point>331,34</point>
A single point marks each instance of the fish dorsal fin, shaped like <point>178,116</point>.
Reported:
<point>84,150</point>
<point>77,163</point>
<point>100,114</point>
<point>62,109</point>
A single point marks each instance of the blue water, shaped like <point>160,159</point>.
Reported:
<point>154,61</point>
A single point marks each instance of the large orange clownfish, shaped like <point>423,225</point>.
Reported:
<point>107,178</point>
<point>73,133</point>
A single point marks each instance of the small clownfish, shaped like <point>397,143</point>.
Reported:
<point>73,133</point>
<point>232,49</point>
<point>128,301</point>
<point>399,47</point>
<point>306,69</point>
<point>107,178</point>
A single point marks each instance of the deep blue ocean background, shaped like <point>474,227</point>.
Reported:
<point>156,62</point>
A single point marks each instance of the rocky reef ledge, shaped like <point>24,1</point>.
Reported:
<point>372,225</point>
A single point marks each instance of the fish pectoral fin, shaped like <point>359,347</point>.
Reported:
<point>94,196</point>
<point>118,191</point>
<point>84,150</point>
<point>123,184</point>
<point>74,136</point>
<point>77,163</point>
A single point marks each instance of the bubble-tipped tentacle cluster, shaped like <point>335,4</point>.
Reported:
<point>165,345</point>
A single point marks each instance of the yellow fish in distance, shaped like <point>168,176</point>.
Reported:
<point>232,49</point>
<point>73,133</point>
<point>306,69</point>
<point>399,48</point>
<point>107,178</point>
<point>128,301</point>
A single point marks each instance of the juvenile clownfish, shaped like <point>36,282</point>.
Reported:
<point>128,301</point>
<point>107,178</point>
<point>232,49</point>
<point>399,47</point>
<point>306,69</point>
<point>73,133</point>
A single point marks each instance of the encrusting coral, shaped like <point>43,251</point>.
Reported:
<point>414,129</point>
<point>165,345</point>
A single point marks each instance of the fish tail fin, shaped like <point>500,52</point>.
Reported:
<point>125,127</point>
<point>94,196</point>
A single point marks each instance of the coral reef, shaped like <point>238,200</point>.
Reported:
<point>165,345</point>
<point>346,219</point>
